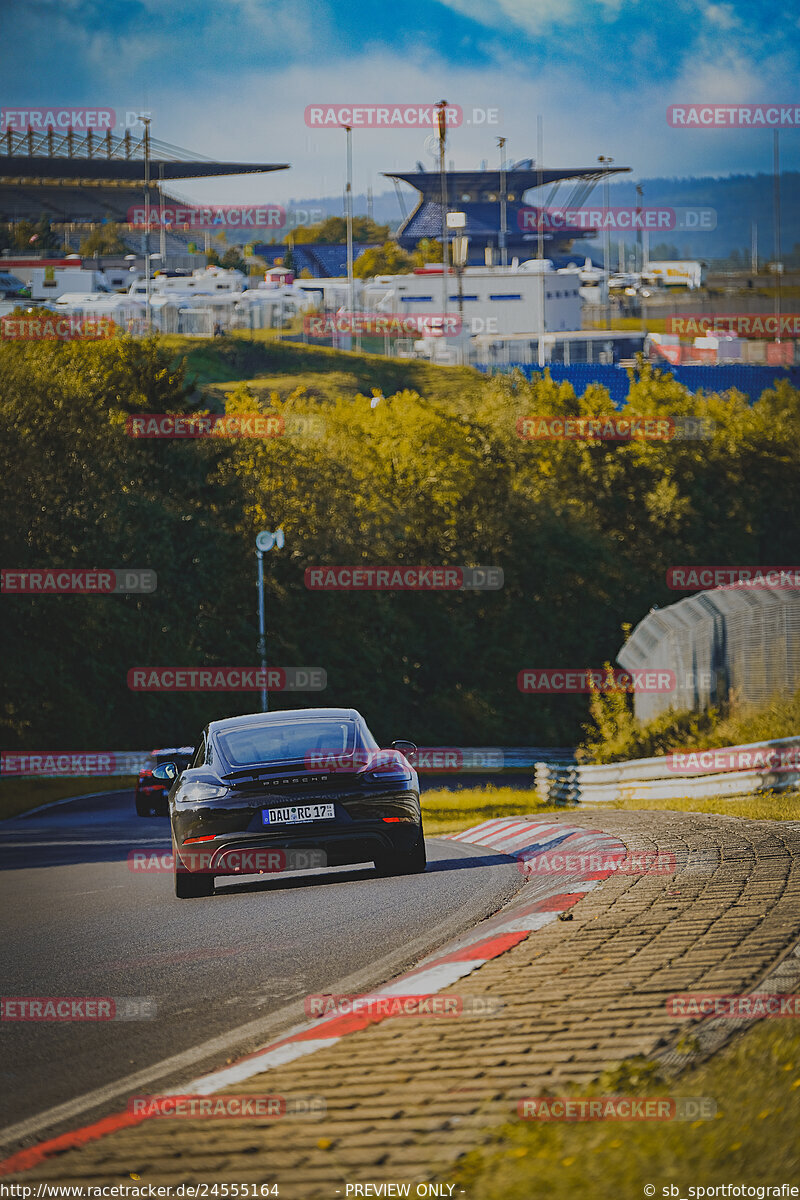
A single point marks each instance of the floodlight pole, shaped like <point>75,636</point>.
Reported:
<point>162,232</point>
<point>262,634</point>
<point>776,217</point>
<point>540,234</point>
<point>349,218</point>
<point>501,142</point>
<point>606,162</point>
<point>264,542</point>
<point>148,317</point>
<point>441,118</point>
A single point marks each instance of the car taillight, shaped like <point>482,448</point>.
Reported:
<point>385,767</point>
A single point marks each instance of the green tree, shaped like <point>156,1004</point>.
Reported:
<point>388,259</point>
<point>583,531</point>
<point>333,231</point>
<point>104,239</point>
<point>427,250</point>
<point>37,236</point>
<point>85,493</point>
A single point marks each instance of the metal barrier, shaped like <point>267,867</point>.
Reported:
<point>490,760</point>
<point>661,779</point>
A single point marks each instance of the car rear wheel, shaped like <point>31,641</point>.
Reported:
<point>191,885</point>
<point>412,862</point>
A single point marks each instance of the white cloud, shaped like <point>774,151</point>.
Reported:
<point>534,16</point>
<point>262,118</point>
<point>722,16</point>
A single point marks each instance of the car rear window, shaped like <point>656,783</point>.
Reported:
<point>288,741</point>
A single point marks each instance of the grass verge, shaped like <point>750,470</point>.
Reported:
<point>755,1084</point>
<point>445,811</point>
<point>766,806</point>
<point>281,364</point>
<point>21,795</point>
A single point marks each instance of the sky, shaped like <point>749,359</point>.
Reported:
<point>231,79</point>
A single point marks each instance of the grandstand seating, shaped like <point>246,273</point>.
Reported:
<point>176,244</point>
<point>69,202</point>
<point>10,285</point>
<point>748,379</point>
<point>483,229</point>
<point>322,259</point>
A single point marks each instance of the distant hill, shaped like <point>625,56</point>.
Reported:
<point>738,200</point>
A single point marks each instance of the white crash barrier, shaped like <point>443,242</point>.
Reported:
<point>664,779</point>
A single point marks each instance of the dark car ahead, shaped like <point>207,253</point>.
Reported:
<point>151,793</point>
<point>262,789</point>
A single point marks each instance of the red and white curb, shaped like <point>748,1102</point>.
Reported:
<point>516,837</point>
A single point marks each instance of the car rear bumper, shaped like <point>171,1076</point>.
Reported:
<point>250,853</point>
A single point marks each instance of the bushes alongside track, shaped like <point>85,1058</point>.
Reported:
<point>583,532</point>
<point>615,736</point>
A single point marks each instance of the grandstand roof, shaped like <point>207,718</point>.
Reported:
<point>458,182</point>
<point>86,156</point>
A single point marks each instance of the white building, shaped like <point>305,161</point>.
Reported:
<point>526,297</point>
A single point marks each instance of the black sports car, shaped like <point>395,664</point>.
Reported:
<point>263,788</point>
<point>151,793</point>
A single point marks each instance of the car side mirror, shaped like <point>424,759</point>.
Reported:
<point>406,748</point>
<point>165,772</point>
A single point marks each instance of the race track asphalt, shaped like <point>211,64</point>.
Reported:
<point>220,975</point>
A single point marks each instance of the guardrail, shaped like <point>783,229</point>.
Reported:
<point>490,760</point>
<point>662,779</point>
<point>77,764</point>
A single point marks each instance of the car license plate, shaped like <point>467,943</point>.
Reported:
<point>298,813</point>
